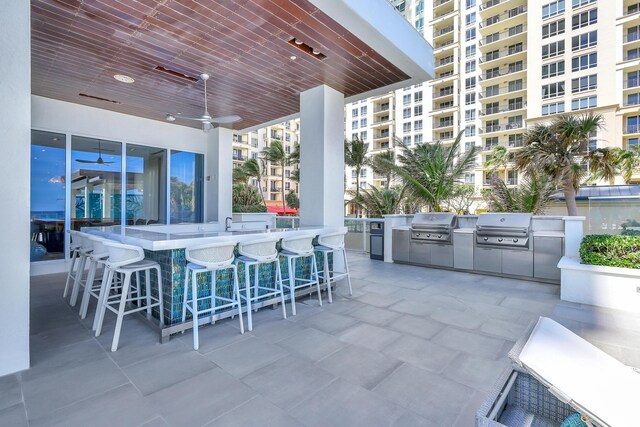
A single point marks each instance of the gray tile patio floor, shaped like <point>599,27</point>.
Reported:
<point>413,346</point>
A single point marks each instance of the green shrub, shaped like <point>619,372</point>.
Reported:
<point>611,250</point>
<point>630,232</point>
<point>249,208</point>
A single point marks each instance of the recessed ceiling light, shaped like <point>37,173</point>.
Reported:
<point>315,52</point>
<point>170,118</point>
<point>124,79</point>
<point>293,57</point>
<point>298,41</point>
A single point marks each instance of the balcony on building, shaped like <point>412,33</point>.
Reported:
<point>512,71</point>
<point>514,52</point>
<point>511,35</point>
<point>498,21</point>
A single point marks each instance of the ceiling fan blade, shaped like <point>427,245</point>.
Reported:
<point>225,119</point>
<point>85,161</point>
<point>199,119</point>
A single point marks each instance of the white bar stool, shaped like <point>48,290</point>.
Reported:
<point>332,243</point>
<point>293,248</point>
<point>83,255</point>
<point>75,255</point>
<point>256,253</point>
<point>126,260</point>
<point>97,257</point>
<point>209,258</point>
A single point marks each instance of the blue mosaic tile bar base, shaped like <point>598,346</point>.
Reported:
<point>173,266</point>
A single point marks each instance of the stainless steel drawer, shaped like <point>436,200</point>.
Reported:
<point>517,262</point>
<point>441,255</point>
<point>420,253</point>
<point>463,251</point>
<point>400,245</point>
<point>487,259</point>
<point>547,252</point>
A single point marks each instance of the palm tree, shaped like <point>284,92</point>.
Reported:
<point>253,169</point>
<point>604,163</point>
<point>533,195</point>
<point>558,149</point>
<point>380,165</point>
<point>629,162</point>
<point>377,202</point>
<point>355,156</point>
<point>277,155</point>
<point>498,160</point>
<point>239,176</point>
<point>432,170</point>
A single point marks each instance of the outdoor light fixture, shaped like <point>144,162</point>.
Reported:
<point>311,51</point>
<point>298,42</point>
<point>124,79</point>
<point>293,57</point>
<point>315,52</point>
<point>206,127</point>
<point>170,117</point>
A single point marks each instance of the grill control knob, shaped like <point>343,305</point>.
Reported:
<point>486,239</point>
<point>439,236</point>
<point>515,240</point>
<point>428,235</point>
<point>417,234</point>
<point>500,239</point>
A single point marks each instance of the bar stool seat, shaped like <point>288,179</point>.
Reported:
<point>203,259</point>
<point>97,258</point>
<point>254,253</point>
<point>332,243</point>
<point>294,248</point>
<point>126,260</point>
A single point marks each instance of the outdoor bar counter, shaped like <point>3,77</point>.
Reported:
<point>166,244</point>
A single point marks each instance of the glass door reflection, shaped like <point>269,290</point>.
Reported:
<point>96,177</point>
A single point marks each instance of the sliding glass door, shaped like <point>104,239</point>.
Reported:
<point>186,187</point>
<point>146,185</point>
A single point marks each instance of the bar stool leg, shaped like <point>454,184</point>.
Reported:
<point>84,304</point>
<point>121,307</point>
<point>107,279</point>
<point>236,296</point>
<point>160,298</point>
<point>78,278</point>
<point>314,272</point>
<point>327,275</point>
<point>147,283</point>
<point>280,287</point>
<point>292,292</point>
<point>194,309</point>
<point>247,286</point>
<point>185,291</point>
<point>74,258</point>
<point>213,296</point>
<point>256,283</point>
<point>346,270</point>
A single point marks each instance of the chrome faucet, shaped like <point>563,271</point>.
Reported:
<point>227,223</point>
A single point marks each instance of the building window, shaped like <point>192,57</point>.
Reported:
<point>470,82</point>
<point>418,138</point>
<point>553,49</point>
<point>584,103</point>
<point>579,3</point>
<point>552,9</point>
<point>633,80</point>
<point>517,140</point>
<point>584,41</point>
<point>363,135</point>
<point>633,99</point>
<point>406,127</point>
<point>354,124</point>
<point>469,178</point>
<point>632,54</point>
<point>417,125</point>
<point>470,66</point>
<point>552,90</point>
<point>584,62</point>
<point>553,69</point>
<point>363,122</point>
<point>419,7</point>
<point>470,3</point>
<point>417,97</point>
<point>632,124</point>
<point>632,142</point>
<point>406,140</point>
<point>417,110</point>
<point>354,112</point>
<point>470,131</point>
<point>554,108</point>
<point>583,84</point>
<point>406,99</point>
<point>420,24</point>
<point>468,145</point>
<point>406,113</point>
<point>469,115</point>
<point>363,110</point>
<point>470,98</point>
<point>470,50</point>
<point>470,34</point>
<point>583,19</point>
<point>553,29</point>
<point>354,136</point>
<point>470,18</point>
<point>633,34</point>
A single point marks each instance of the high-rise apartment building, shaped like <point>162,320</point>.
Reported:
<point>503,65</point>
<point>250,145</point>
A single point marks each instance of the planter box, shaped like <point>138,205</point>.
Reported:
<point>611,287</point>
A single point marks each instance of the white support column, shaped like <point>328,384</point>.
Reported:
<point>219,171</point>
<point>322,157</point>
<point>15,152</point>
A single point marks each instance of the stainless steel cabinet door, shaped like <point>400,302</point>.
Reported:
<point>441,255</point>
<point>547,254</point>
<point>419,253</point>
<point>463,251</point>
<point>517,263</point>
<point>400,245</point>
<point>487,259</point>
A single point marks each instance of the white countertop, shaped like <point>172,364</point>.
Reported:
<point>548,233</point>
<point>467,230</point>
<point>167,237</point>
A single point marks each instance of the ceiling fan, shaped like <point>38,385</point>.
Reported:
<point>98,161</point>
<point>206,119</point>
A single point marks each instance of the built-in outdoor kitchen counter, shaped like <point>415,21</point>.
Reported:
<point>512,245</point>
<point>166,244</point>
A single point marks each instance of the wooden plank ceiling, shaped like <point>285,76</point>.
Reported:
<point>79,45</point>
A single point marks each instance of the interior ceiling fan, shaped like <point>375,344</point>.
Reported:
<point>206,119</point>
<point>98,161</point>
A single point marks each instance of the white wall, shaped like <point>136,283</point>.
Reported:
<point>15,151</point>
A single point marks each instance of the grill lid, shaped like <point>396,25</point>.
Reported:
<point>433,220</point>
<point>506,221</point>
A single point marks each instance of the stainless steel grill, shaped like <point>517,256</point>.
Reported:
<point>433,227</point>
<point>503,230</point>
